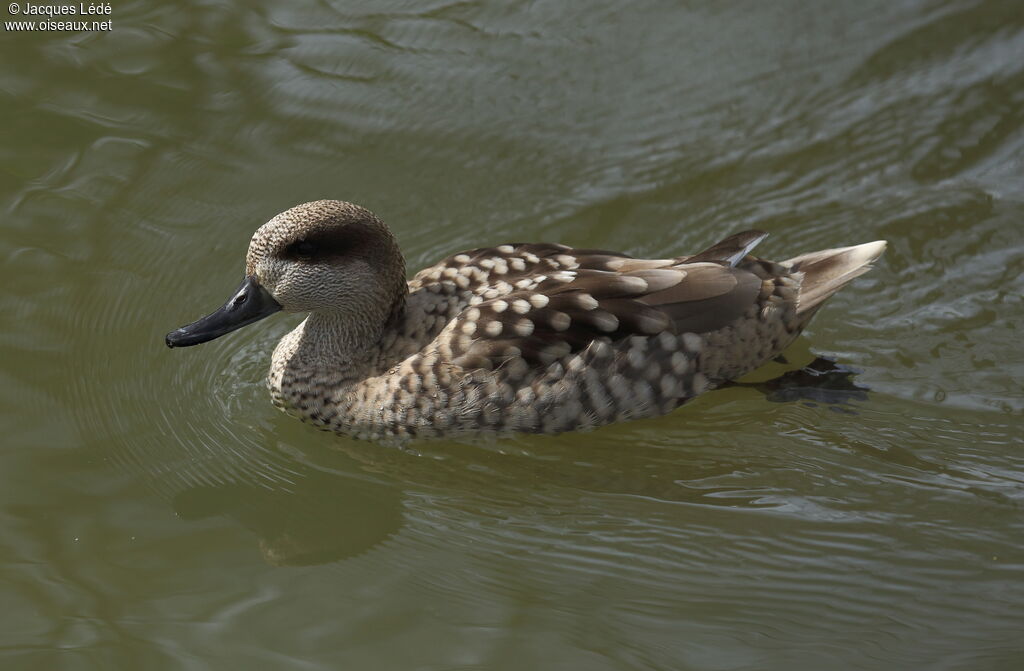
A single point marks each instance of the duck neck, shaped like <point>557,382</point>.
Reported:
<point>354,347</point>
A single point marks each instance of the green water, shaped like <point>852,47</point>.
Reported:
<point>159,513</point>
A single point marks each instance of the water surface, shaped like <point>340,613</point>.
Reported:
<point>158,512</point>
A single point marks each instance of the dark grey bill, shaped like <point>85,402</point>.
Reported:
<point>250,303</point>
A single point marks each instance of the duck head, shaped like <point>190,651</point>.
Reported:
<point>326,257</point>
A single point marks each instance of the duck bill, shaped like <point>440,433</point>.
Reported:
<point>250,303</point>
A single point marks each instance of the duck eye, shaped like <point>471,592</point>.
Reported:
<point>304,249</point>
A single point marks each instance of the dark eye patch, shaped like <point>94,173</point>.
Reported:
<point>325,245</point>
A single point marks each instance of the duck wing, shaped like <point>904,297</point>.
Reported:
<point>568,311</point>
<point>440,293</point>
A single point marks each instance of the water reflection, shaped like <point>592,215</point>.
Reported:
<point>821,381</point>
<point>322,518</point>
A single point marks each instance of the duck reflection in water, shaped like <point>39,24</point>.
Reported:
<point>321,518</point>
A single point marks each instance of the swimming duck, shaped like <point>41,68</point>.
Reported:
<point>537,338</point>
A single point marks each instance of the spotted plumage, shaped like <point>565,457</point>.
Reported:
<point>537,338</point>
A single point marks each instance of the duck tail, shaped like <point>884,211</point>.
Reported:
<point>829,270</point>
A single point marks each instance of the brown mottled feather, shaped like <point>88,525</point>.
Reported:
<point>584,304</point>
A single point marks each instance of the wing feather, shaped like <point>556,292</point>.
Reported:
<point>570,310</point>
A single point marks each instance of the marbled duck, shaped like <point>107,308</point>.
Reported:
<point>538,338</point>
